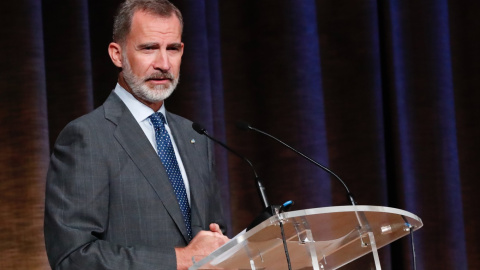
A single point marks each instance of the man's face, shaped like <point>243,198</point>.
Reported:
<point>151,55</point>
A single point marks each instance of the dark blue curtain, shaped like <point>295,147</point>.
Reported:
<point>382,92</point>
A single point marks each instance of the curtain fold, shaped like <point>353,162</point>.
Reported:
<point>23,138</point>
<point>357,125</point>
<point>382,92</point>
<point>424,133</point>
<point>200,96</point>
<point>464,40</point>
<point>69,79</point>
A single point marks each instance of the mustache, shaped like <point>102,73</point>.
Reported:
<point>160,76</point>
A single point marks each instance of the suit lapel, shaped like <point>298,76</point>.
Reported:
<point>191,153</point>
<point>133,140</point>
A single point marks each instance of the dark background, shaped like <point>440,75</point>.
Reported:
<point>382,92</point>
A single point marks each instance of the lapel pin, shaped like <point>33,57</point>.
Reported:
<point>192,141</point>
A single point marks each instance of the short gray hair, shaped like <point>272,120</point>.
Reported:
<point>123,18</point>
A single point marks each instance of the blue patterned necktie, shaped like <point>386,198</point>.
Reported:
<point>167,156</point>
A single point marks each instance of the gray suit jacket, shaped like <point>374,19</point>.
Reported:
<point>109,203</point>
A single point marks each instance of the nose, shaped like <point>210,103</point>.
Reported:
<point>161,61</point>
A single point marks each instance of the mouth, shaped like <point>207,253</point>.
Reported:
<point>160,79</point>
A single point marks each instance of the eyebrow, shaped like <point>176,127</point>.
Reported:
<point>174,45</point>
<point>156,45</point>
<point>148,45</point>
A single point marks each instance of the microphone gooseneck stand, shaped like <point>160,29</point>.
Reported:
<point>269,209</point>
<point>245,126</point>
<point>261,189</point>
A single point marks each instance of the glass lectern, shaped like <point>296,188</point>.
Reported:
<point>320,238</point>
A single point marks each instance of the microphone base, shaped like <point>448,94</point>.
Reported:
<point>264,215</point>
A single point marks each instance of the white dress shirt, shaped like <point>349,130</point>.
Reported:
<point>141,112</point>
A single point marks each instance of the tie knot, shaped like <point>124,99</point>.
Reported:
<point>158,120</point>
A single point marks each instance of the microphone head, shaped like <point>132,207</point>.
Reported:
<point>243,125</point>
<point>198,128</point>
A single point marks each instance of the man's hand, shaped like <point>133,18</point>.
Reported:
<point>215,228</point>
<point>201,245</point>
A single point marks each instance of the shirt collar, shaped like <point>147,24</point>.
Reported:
<point>139,110</point>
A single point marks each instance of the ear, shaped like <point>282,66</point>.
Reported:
<point>183,46</point>
<point>115,52</point>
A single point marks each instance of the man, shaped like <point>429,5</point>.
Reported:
<point>130,185</point>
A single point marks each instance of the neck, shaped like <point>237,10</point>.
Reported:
<point>154,106</point>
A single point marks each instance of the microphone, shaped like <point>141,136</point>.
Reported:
<point>269,210</point>
<point>261,189</point>
<point>245,126</point>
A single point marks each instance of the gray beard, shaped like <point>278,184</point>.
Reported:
<point>143,91</point>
